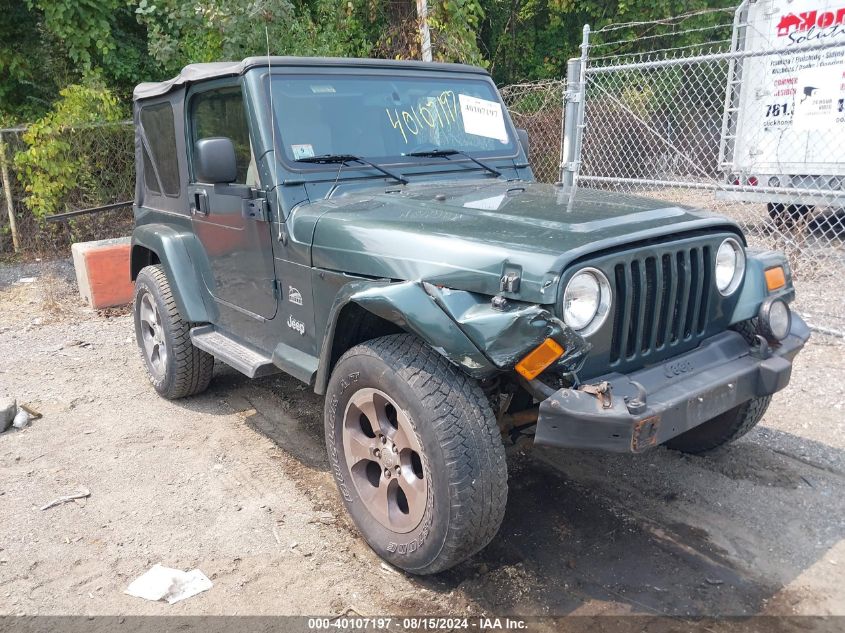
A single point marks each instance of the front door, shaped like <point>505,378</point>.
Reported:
<point>238,245</point>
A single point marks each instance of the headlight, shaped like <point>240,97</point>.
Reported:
<point>586,301</point>
<point>730,266</point>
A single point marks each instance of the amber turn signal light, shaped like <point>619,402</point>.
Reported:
<point>539,358</point>
<point>775,278</point>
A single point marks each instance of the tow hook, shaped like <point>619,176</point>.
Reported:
<point>637,404</point>
<point>600,391</point>
<point>762,349</point>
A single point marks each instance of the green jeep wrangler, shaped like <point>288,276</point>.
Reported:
<point>373,229</point>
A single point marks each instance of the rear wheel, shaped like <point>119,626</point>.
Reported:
<point>416,454</point>
<point>174,366</point>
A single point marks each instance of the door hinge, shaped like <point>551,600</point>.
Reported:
<point>256,209</point>
<point>277,289</point>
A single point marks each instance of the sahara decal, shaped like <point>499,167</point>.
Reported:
<point>294,296</point>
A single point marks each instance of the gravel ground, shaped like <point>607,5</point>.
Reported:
<point>234,482</point>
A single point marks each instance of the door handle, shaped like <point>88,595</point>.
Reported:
<point>199,203</point>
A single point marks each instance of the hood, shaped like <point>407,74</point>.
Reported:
<point>467,235</point>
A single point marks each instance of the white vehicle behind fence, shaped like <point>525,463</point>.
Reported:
<point>783,131</point>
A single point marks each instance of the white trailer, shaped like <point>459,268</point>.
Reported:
<point>783,132</point>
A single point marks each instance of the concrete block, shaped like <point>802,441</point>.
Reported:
<point>102,272</point>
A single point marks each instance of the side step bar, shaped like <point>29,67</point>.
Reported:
<point>241,356</point>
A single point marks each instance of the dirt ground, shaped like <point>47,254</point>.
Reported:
<point>234,482</point>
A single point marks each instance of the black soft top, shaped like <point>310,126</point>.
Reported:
<point>201,72</point>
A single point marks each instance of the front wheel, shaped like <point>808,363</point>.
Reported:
<point>416,454</point>
<point>722,429</point>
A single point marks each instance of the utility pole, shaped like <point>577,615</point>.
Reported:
<point>7,193</point>
<point>425,35</point>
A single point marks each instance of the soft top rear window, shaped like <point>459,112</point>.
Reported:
<point>158,126</point>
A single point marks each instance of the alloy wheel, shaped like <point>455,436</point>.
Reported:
<point>152,335</point>
<point>385,459</point>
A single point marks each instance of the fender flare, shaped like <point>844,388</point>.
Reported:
<point>173,248</point>
<point>754,290</point>
<point>461,326</point>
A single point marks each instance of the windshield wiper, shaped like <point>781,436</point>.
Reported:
<point>445,153</point>
<point>345,158</point>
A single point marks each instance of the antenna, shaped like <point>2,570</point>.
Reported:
<point>273,133</point>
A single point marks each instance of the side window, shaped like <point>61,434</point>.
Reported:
<point>150,181</point>
<point>157,121</point>
<point>221,113</point>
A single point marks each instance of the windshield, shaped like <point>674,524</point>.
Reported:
<point>388,117</point>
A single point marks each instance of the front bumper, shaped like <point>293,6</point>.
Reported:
<point>650,406</point>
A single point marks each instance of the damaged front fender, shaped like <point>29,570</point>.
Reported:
<point>467,330</point>
<point>507,333</point>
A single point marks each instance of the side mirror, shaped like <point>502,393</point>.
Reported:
<point>524,141</point>
<point>214,160</point>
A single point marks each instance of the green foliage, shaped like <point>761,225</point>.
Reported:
<point>84,26</point>
<point>211,30</point>
<point>46,45</point>
<point>29,66</point>
<point>62,156</point>
<point>454,24</point>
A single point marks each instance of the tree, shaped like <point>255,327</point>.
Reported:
<point>46,45</point>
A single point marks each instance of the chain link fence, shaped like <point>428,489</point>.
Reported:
<point>65,169</point>
<point>748,124</point>
<point>538,109</point>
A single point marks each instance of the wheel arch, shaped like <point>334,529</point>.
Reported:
<point>365,310</point>
<point>165,245</point>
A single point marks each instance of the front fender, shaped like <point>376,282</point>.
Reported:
<point>506,334</point>
<point>173,248</point>
<point>754,290</point>
<point>462,326</point>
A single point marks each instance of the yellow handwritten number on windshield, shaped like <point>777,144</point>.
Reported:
<point>431,113</point>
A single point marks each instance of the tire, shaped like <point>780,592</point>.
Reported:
<point>747,329</point>
<point>444,416</point>
<point>174,366</point>
<point>722,429</point>
<point>786,215</point>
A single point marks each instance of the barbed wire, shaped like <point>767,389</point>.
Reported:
<point>664,21</point>
<point>641,38</point>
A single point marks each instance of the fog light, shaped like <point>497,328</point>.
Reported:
<point>774,320</point>
<point>774,181</point>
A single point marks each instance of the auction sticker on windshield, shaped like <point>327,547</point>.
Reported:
<point>483,118</point>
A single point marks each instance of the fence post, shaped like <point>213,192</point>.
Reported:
<point>570,116</point>
<point>573,116</point>
<point>7,193</point>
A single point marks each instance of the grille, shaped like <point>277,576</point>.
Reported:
<point>660,301</point>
